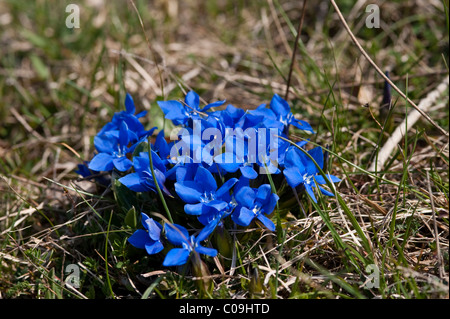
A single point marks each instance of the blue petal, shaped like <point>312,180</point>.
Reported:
<point>194,209</point>
<point>204,178</point>
<point>193,100</point>
<point>129,104</point>
<point>139,239</point>
<point>214,104</point>
<point>167,106</point>
<point>263,193</point>
<point>317,154</point>
<point>266,222</point>
<point>153,247</point>
<point>154,230</point>
<point>176,257</point>
<point>206,251</point>
<point>188,191</point>
<point>206,231</point>
<point>225,188</point>
<point>104,143</point>
<point>124,137</point>
<point>248,172</point>
<point>310,193</point>
<point>133,182</point>
<point>217,204</point>
<point>176,234</point>
<point>122,163</point>
<point>144,218</point>
<point>279,106</point>
<point>243,216</point>
<point>101,162</point>
<point>293,176</point>
<point>325,192</point>
<point>245,196</point>
<point>228,162</point>
<point>331,178</point>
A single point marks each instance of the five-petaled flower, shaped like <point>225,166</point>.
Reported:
<point>179,236</point>
<point>148,238</point>
<point>255,203</point>
<point>301,170</point>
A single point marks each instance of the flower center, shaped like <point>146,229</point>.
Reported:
<point>208,197</point>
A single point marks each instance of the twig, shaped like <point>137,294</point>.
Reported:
<point>407,123</point>
<point>299,30</point>
<point>386,78</point>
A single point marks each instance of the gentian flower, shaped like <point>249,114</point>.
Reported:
<point>255,203</point>
<point>180,113</point>
<point>301,170</point>
<point>142,179</point>
<point>149,237</point>
<point>202,191</point>
<point>283,112</point>
<point>178,235</point>
<point>129,118</point>
<point>114,149</point>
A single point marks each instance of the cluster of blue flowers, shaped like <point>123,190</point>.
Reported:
<point>215,163</point>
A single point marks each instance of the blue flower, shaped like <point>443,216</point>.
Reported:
<point>301,170</point>
<point>179,236</point>
<point>148,238</point>
<point>180,113</point>
<point>114,149</point>
<point>202,191</point>
<point>283,112</point>
<point>255,203</point>
<point>142,179</point>
<point>129,118</point>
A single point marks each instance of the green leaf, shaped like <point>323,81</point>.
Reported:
<point>131,218</point>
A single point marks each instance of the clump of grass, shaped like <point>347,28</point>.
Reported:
<point>58,86</point>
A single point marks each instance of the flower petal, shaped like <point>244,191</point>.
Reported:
<point>206,251</point>
<point>204,178</point>
<point>266,222</point>
<point>193,100</point>
<point>225,188</point>
<point>248,172</point>
<point>206,231</point>
<point>263,193</point>
<point>153,247</point>
<point>122,164</point>
<point>129,104</point>
<point>176,234</point>
<point>139,239</point>
<point>176,257</point>
<point>293,176</point>
<point>245,196</point>
<point>279,105</point>
<point>242,216</point>
<point>101,162</point>
<point>133,182</point>
<point>154,230</point>
<point>194,209</point>
<point>188,191</point>
<point>331,178</point>
<point>310,193</point>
